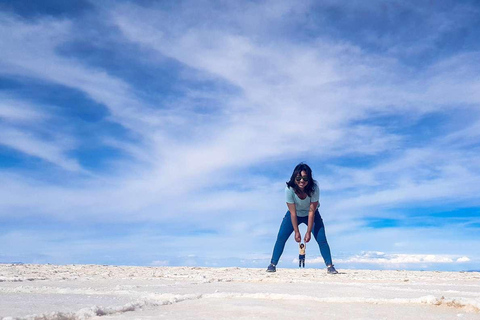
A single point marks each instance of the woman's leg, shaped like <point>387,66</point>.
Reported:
<point>319,234</point>
<point>286,229</point>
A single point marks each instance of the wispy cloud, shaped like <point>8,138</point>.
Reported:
<point>12,110</point>
<point>52,152</point>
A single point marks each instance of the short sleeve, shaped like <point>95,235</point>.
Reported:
<point>289,195</point>
<point>315,195</point>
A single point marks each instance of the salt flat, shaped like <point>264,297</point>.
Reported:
<point>118,292</point>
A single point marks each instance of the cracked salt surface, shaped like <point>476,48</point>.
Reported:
<point>116,292</point>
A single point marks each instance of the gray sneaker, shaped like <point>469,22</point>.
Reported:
<point>331,270</point>
<point>271,268</point>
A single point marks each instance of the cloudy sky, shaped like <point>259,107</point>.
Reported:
<point>162,132</point>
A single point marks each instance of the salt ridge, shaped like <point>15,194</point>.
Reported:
<point>164,299</point>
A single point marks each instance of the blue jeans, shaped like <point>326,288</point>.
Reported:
<point>286,229</point>
<point>301,260</point>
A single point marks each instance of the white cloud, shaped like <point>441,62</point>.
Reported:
<point>159,263</point>
<point>463,259</point>
<point>382,258</point>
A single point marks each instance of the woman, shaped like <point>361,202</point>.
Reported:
<point>301,255</point>
<point>302,195</point>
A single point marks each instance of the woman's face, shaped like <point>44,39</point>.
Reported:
<point>301,183</point>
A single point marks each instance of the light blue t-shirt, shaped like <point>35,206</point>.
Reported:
<point>302,206</point>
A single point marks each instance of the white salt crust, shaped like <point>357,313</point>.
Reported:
<point>47,292</point>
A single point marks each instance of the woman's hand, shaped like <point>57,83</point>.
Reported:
<point>308,236</point>
<point>298,237</point>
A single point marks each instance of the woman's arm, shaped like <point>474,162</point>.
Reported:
<point>293,216</point>
<point>311,218</point>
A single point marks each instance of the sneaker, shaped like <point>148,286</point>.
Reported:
<point>331,270</point>
<point>271,268</point>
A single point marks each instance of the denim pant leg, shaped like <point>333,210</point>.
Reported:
<point>286,229</point>
<point>319,234</point>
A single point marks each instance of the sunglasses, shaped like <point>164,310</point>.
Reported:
<point>301,178</point>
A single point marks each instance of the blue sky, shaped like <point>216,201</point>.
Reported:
<point>162,133</point>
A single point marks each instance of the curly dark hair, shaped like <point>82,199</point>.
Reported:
<point>297,171</point>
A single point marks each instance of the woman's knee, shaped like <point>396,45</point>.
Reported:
<point>321,238</point>
<point>322,241</point>
<point>283,236</point>
<point>281,239</point>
